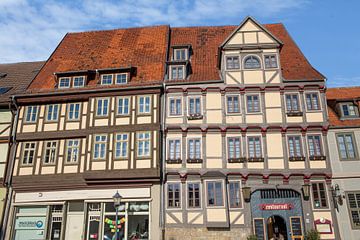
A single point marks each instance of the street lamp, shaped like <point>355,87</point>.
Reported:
<point>117,199</point>
<point>306,191</point>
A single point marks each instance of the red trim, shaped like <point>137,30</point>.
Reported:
<point>326,222</point>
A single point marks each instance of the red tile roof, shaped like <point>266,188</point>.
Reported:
<point>146,48</point>
<point>335,95</point>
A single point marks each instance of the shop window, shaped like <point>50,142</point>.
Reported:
<point>193,195</point>
<point>56,220</point>
<point>138,220</point>
<point>93,223</point>
<point>319,195</point>
<point>30,223</point>
<point>214,193</point>
<point>110,225</point>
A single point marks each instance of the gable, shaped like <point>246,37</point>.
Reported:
<point>251,32</point>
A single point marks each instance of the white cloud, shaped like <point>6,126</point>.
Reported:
<point>31,29</point>
<point>342,81</point>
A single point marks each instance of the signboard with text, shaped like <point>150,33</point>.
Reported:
<point>276,206</point>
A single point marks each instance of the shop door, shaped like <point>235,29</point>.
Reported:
<point>75,220</point>
<point>276,228</point>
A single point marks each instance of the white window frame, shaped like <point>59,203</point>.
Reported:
<point>254,56</point>
<point>121,142</point>
<point>276,61</point>
<point>33,114</point>
<point>123,106</point>
<point>201,104</point>
<point>68,111</point>
<point>188,147</point>
<point>180,195</point>
<point>200,195</point>
<point>227,104</point>
<point>142,108</point>
<point>139,139</point>
<point>322,150</point>
<point>227,145</point>
<point>168,149</point>
<point>232,56</point>
<point>181,106</point>
<point>102,114</point>
<point>302,146</point>
<point>261,146</point>
<point>240,191</point>
<point>102,79</point>
<point>178,50</point>
<point>121,74</point>
<point>177,74</point>
<point>319,102</point>
<point>73,147</point>
<point>207,195</point>
<point>349,104</point>
<point>246,102</point>
<point>54,114</point>
<point>79,77</point>
<point>102,143</point>
<point>50,148</point>
<point>64,86</point>
<point>298,99</point>
<point>26,152</point>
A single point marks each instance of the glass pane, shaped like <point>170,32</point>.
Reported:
<point>138,227</point>
<point>110,226</point>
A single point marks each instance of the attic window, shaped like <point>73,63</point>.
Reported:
<point>4,90</point>
<point>117,78</point>
<point>349,110</point>
<point>64,82</point>
<point>180,54</point>
<point>252,62</point>
<point>177,72</point>
<point>75,82</point>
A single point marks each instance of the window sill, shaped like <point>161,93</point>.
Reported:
<point>194,160</point>
<point>174,161</point>
<point>195,116</point>
<point>237,160</point>
<point>294,114</point>
<point>317,158</point>
<point>296,159</point>
<point>257,159</point>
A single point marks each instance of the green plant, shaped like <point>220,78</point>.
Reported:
<point>312,235</point>
<point>252,237</point>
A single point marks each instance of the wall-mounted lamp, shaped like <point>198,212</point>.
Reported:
<point>337,196</point>
<point>306,191</point>
<point>246,191</point>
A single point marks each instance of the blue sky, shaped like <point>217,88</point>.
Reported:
<point>327,31</point>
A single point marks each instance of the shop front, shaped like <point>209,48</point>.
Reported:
<point>277,214</point>
<point>93,218</point>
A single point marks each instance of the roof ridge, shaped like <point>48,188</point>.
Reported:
<point>116,29</point>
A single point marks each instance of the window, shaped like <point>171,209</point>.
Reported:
<point>50,152</point>
<point>144,104</point>
<point>349,110</point>
<point>143,142</point>
<point>74,111</point>
<point>175,106</point>
<point>319,195</point>
<point>123,106</point>
<point>270,61</point>
<point>253,104</point>
<point>31,113</point>
<point>252,62</point>
<point>174,200</point>
<point>195,105</point>
<point>64,82</point>
<point>121,78</point>
<point>177,72</point>
<point>121,145</point>
<point>174,149</point>
<point>78,81</point>
<point>180,54</point>
<point>234,147</point>
<point>312,101</point>
<point>234,194</point>
<point>214,193</point>
<point>28,153</point>
<point>52,112</point>
<point>72,151</point>
<point>353,199</point>
<point>292,103</point>
<point>254,146</point>
<point>232,62</point>
<point>194,149</point>
<point>193,195</point>
<point>294,143</point>
<point>100,146</point>
<point>106,79</point>
<point>102,107</point>
<point>233,104</point>
<point>314,142</point>
<point>346,146</point>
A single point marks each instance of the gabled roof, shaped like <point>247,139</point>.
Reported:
<point>345,94</point>
<point>144,48</point>
<point>16,77</point>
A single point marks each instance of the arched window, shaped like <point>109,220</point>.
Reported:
<point>251,62</point>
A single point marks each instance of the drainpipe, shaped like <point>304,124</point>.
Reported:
<point>163,156</point>
<point>10,168</point>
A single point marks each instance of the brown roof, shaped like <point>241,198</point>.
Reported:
<point>206,40</point>
<point>144,48</point>
<point>335,95</point>
<point>17,77</point>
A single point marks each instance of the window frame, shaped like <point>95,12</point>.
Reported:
<point>227,104</point>
<point>175,50</point>
<point>298,102</point>
<point>83,82</point>
<point>232,57</point>
<point>174,200</point>
<point>67,86</point>
<point>240,192</point>
<point>72,147</point>
<point>68,111</point>
<point>247,104</point>
<point>50,148</point>
<point>248,147</point>
<point>100,142</point>
<point>102,107</point>
<point>188,105</point>
<point>116,78</point>
<point>350,209</point>
<point>121,144</point>
<point>178,66</point>
<point>301,145</point>
<point>356,110</point>
<point>144,105</point>
<point>319,102</point>
<point>31,114</point>
<point>169,149</point>
<point>188,198</point>
<point>321,145</point>
<point>313,198</point>
<point>207,193</point>
<point>188,148</point>
<point>102,79</point>
<point>24,148</point>
<point>269,56</point>
<point>355,147</point>
<point>52,113</point>
<point>251,56</point>
<point>149,155</point>
<point>228,147</point>
<point>118,105</point>
<point>175,98</point>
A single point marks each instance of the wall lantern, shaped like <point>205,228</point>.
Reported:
<point>306,192</point>
<point>246,191</point>
<point>337,196</point>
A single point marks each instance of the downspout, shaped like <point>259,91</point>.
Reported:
<point>10,168</point>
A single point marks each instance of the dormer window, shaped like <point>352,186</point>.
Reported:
<point>64,82</point>
<point>106,79</point>
<point>177,72</point>
<point>180,54</point>
<point>270,61</point>
<point>121,78</point>
<point>349,110</point>
<point>252,62</point>
<point>79,81</point>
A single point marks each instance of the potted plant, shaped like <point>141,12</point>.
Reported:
<point>312,235</point>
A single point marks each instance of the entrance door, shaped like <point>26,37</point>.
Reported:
<point>276,228</point>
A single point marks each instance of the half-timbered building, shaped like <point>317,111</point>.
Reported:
<point>88,126</point>
<point>245,136</point>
